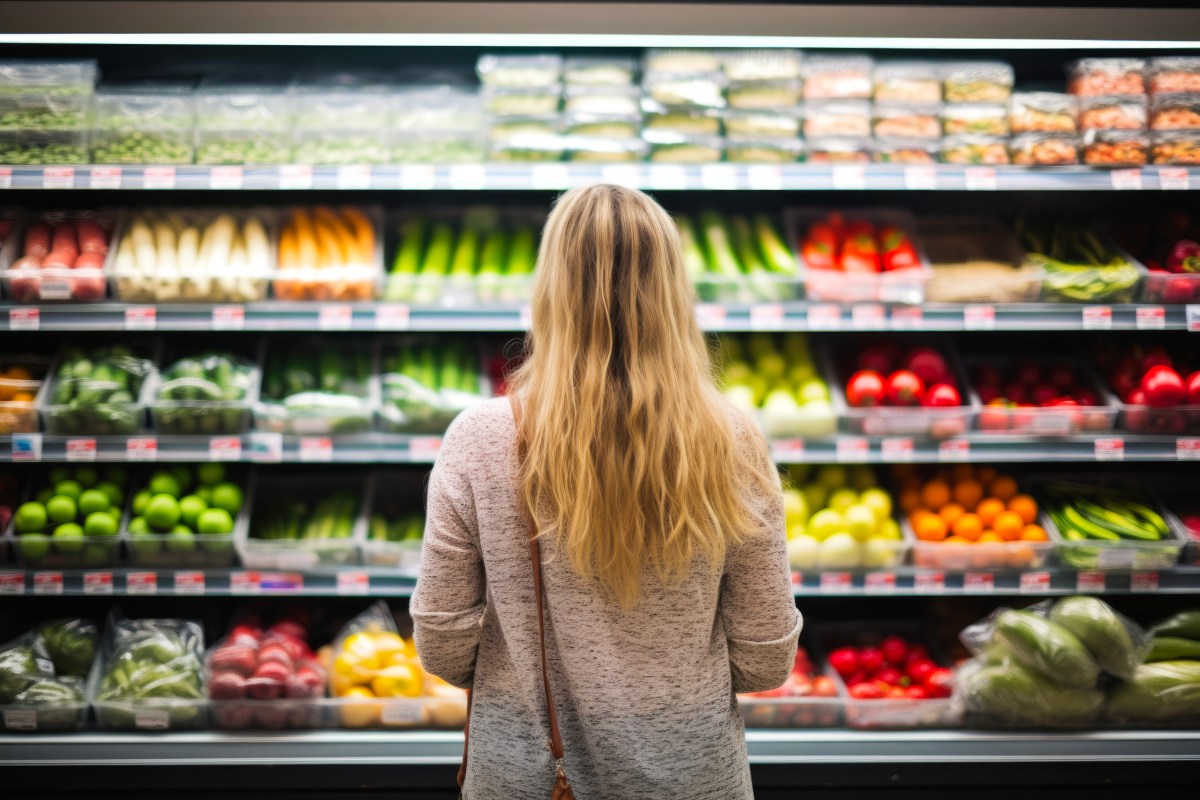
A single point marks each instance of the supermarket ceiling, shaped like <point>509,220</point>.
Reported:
<point>885,24</point>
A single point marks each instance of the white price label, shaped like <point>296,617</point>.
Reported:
<point>58,178</point>
<point>354,176</point>
<point>920,178</point>
<point>1185,449</point>
<point>152,720</point>
<point>667,176</point>
<point>225,448</point>
<point>711,316</point>
<point>766,317</point>
<point>979,583</point>
<point>1035,582</point>
<point>335,317</point>
<point>849,176</point>
<point>402,712</point>
<point>27,447</point>
<point>470,177</point>
<point>789,451</point>
<point>1192,315</point>
<point>141,582</point>
<point>81,449</point>
<point>20,719</point>
<point>141,448</point>
<point>764,177</point>
<point>1151,318</point>
<point>720,177</point>
<point>621,175</point>
<point>1126,179</point>
<point>314,449</point>
<point>979,318</point>
<point>295,176</point>
<point>1173,179</point>
<point>243,583</point>
<point>97,583</point>
<point>852,449</point>
<point>896,451</point>
<point>1143,582</point>
<point>418,177</point>
<point>868,317</point>
<point>12,583</point>
<point>47,583</point>
<point>880,583</point>
<point>266,447</point>
<point>422,449</point>
<point>5,177</point>
<point>1110,449</point>
<point>24,319</point>
<point>1090,582</point>
<point>391,317</point>
<point>980,179</point>
<point>836,582</point>
<point>825,317</point>
<point>929,582</point>
<point>954,450</point>
<point>525,317</point>
<point>189,583</point>
<point>225,177</point>
<point>906,318</point>
<point>141,318</point>
<point>228,318</point>
<point>1097,318</point>
<point>549,176</point>
<point>158,178</point>
<point>353,583</point>
<point>105,178</point>
<point>54,288</point>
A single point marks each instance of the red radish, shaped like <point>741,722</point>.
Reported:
<point>928,365</point>
<point>904,388</point>
<point>37,240</point>
<point>1163,387</point>
<point>941,395</point>
<point>92,238</point>
<point>64,240</point>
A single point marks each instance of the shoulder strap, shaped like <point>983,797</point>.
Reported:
<point>556,747</point>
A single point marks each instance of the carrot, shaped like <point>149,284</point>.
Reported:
<point>306,242</point>
<point>346,244</point>
<point>364,232</point>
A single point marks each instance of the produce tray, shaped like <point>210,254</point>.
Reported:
<point>1046,421</point>
<point>346,282</point>
<point>1092,554</point>
<point>19,416</point>
<point>885,713</point>
<point>985,555</point>
<point>298,419</point>
<point>18,718</point>
<point>207,417</point>
<point>938,423</point>
<point>793,712</point>
<point>449,713</point>
<point>59,419</point>
<point>976,260</point>
<point>155,550</point>
<point>1102,292</point>
<point>1171,288</point>
<point>55,284</point>
<point>1175,499</point>
<point>836,286</point>
<point>158,714</point>
<point>301,554</point>
<point>87,551</point>
<point>408,406</point>
<point>270,715</point>
<point>393,493</point>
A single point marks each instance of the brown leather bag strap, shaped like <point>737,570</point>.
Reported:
<point>556,747</point>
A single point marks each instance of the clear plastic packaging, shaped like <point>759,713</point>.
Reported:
<point>43,111</point>
<point>21,382</point>
<point>140,107</point>
<point>246,146</point>
<point>340,146</point>
<point>521,101</point>
<point>436,108</point>
<point>319,108</point>
<point>837,118</point>
<point>969,149</point>
<point>301,522</point>
<point>424,384</point>
<point>329,254</point>
<point>957,557</point>
<point>617,127</point>
<point>682,61</point>
<point>1097,416</point>
<point>599,71</point>
<point>243,107</point>
<point>60,257</point>
<point>764,95</point>
<point>76,76</point>
<point>976,260</point>
<point>754,246</point>
<point>1100,76</point>
<point>907,82</point>
<point>699,90</point>
<point>430,147</point>
<point>687,123</point>
<point>1175,147</point>
<point>528,149</point>
<point>763,150</point>
<point>38,147</point>
<point>1181,510</point>
<point>762,65</point>
<point>1086,266</point>
<point>840,150</point>
<point>1116,148</point>
<point>1168,74</point>
<point>762,123</point>
<point>1160,694</point>
<point>982,119</point>
<point>977,82</point>
<point>1008,695</point>
<point>142,147</point>
<point>906,121</point>
<point>194,255</point>
<point>1043,112</point>
<point>1175,112</point>
<point>688,150</point>
<point>210,393</point>
<point>150,676</point>
<point>317,387</point>
<point>529,128</point>
<point>1045,149</point>
<point>1112,112</point>
<point>519,71</point>
<point>806,700</point>
<point>395,522</point>
<point>615,100</point>
<point>41,677</point>
<point>906,151</point>
<point>98,392</point>
<point>604,150</point>
<point>845,75</point>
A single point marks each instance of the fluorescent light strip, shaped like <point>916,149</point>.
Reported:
<point>592,40</point>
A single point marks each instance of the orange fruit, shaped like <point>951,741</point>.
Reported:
<point>935,494</point>
<point>22,397</point>
<point>957,540</point>
<point>910,500</point>
<point>969,527</point>
<point>1025,507</point>
<point>930,528</point>
<point>1034,533</point>
<point>18,374</point>
<point>1003,487</point>
<point>1009,525</point>
<point>989,537</point>
<point>1020,556</point>
<point>968,492</point>
<point>986,475</point>
<point>988,509</point>
<point>951,512</point>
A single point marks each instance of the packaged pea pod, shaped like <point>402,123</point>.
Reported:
<point>98,391</point>
<point>41,684</point>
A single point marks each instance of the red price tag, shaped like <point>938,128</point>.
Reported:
<point>954,450</point>
<point>141,582</point>
<point>789,451</point>
<point>836,582</point>
<point>12,583</point>
<point>228,318</point>
<point>335,317</point>
<point>979,582</point>
<point>105,178</point>
<point>1126,179</point>
<point>1035,582</point>
<point>1187,449</point>
<point>225,177</point>
<point>141,448</point>
<point>97,583</point>
<point>979,318</point>
<point>353,583</point>
<point>354,176</point>
<point>81,449</point>
<point>418,177</point>
<point>980,179</point>
<point>1110,449</point>
<point>920,178</point>
<point>852,449</point>
<point>824,318</point>
<point>849,176</point>
<point>1097,318</point>
<point>1090,582</point>
<point>225,448</point>
<point>867,317</point>
<point>316,449</point>
<point>1143,582</point>
<point>424,449</point>
<point>58,178</point>
<point>189,583</point>
<point>24,319</point>
<point>797,580</point>
<point>711,316</point>
<point>391,317</point>
<point>907,317</point>
<point>47,583</point>
<point>141,318</point>
<point>766,317</point>
<point>295,176</point>
<point>5,177</point>
<point>243,583</point>
<point>1151,318</point>
<point>1173,178</point>
<point>158,178</point>
<point>880,583</point>
<point>896,451</point>
<point>930,582</point>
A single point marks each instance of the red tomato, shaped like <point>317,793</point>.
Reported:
<point>916,693</point>
<point>870,659</point>
<point>874,359</point>
<point>942,395</point>
<point>824,687</point>
<point>865,389</point>
<point>1163,387</point>
<point>940,682</point>
<point>856,678</point>
<point>866,691</point>
<point>928,365</point>
<point>889,675</point>
<point>897,693</point>
<point>1155,356</point>
<point>895,650</point>
<point>904,388</point>
<point>1193,388</point>
<point>918,670</point>
<point>844,661</point>
<point>994,416</point>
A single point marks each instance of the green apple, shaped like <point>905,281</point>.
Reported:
<point>97,554</point>
<point>860,521</point>
<point>45,496</point>
<point>68,538</point>
<point>140,501</point>
<point>842,499</point>
<point>93,501</point>
<point>839,551</point>
<point>144,544</point>
<point>100,523</point>
<point>164,483</point>
<point>138,525</point>
<point>33,546</point>
<point>70,489</point>
<point>803,552</point>
<point>61,509</point>
<point>879,500</point>
<point>812,389</point>
<point>210,474</point>
<point>190,509</point>
<point>878,553</point>
<point>30,518</point>
<point>87,476</point>
<point>181,540</point>
<point>832,477</point>
<point>162,512</point>
<point>795,507</point>
<point>116,497</point>
<point>215,521</point>
<point>227,496</point>
<point>889,529</point>
<point>825,523</point>
<point>59,474</point>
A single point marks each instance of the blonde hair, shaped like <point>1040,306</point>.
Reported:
<point>631,454</point>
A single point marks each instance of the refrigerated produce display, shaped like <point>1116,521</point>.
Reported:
<point>244,291</point>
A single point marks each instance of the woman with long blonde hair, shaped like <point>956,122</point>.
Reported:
<point>659,522</point>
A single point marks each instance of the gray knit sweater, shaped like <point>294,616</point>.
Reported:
<point>645,698</point>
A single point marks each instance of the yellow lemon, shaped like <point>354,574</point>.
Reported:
<point>360,709</point>
<point>353,669</point>
<point>388,644</point>
<point>398,681</point>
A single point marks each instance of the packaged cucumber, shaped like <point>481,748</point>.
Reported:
<point>208,393</point>
<point>317,387</point>
<point>426,382</point>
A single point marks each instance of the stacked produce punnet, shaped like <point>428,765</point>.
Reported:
<point>1080,265</point>
<point>210,392</point>
<point>61,258</point>
<point>70,517</point>
<point>738,259</point>
<point>395,522</point>
<point>318,387</point>
<point>774,379</point>
<point>188,517</point>
<point>1039,397</point>
<point>22,379</point>
<point>424,383</point>
<point>303,520</point>
<point>103,391</point>
<point>1169,245</point>
<point>807,699</point>
<point>42,675</point>
<point>330,254</point>
<point>1157,391</point>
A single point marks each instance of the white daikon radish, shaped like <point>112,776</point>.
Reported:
<point>258,247</point>
<point>227,283</point>
<point>167,276</point>
<point>144,252</point>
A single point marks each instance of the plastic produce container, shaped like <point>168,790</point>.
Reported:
<point>1175,147</point>
<point>783,124</point>
<point>22,379</point>
<point>1097,76</point>
<point>244,107</point>
<point>92,405</point>
<point>762,95</point>
<point>762,65</point>
<point>317,387</point>
<point>41,110</point>
<point>246,146</point>
<point>82,281</point>
<point>1173,74</point>
<point>1175,112</point>
<point>425,383</point>
<point>837,286</point>
<point>41,146</point>
<point>599,71</point>
<point>1116,148</point>
<point>687,149</point>
<point>681,61</point>
<point>70,77</point>
<point>977,82</point>
<point>906,121</point>
<point>1112,112</point>
<point>661,121</point>
<point>887,713</point>
<point>1181,509</point>
<point>437,108</point>
<point>622,100</point>
<point>837,118</point>
<point>976,260</point>
<point>398,499</point>
<point>840,150</point>
<point>320,108</point>
<point>780,710</point>
<point>45,553</point>
<point>307,238</point>
<point>906,151</point>
<point>613,127</point>
<point>907,82</point>
<point>938,423</point>
<point>427,147</point>
<point>983,119</point>
<point>526,139</point>
<point>763,149</point>
<point>522,101</point>
<point>1043,112</point>
<point>604,151</point>
<point>209,393</point>
<point>340,146</point>
<point>143,125</point>
<point>1047,421</point>
<point>974,149</point>
<point>43,718</point>
<point>1157,419</point>
<point>1045,149</point>
<point>685,90</point>
<point>201,550</point>
<point>338,544</point>
<point>846,75</point>
<point>519,71</point>
<point>985,555</point>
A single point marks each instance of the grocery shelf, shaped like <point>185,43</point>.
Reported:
<point>387,582</point>
<point>790,316</point>
<point>558,176</point>
<point>394,448</point>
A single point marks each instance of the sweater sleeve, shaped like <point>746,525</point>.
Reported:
<point>762,623</point>
<point>448,604</point>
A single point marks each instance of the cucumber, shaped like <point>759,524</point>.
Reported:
<point>1185,625</point>
<point>1047,648</point>
<point>1166,691</point>
<point>1173,648</point>
<point>1014,695</point>
<point>1102,632</point>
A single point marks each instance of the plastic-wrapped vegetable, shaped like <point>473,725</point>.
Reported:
<point>23,662</point>
<point>1036,643</point>
<point>1185,624</point>
<point>70,645</point>
<point>1011,695</point>
<point>1165,691</point>
<point>316,387</point>
<point>209,393</point>
<point>1115,641</point>
<point>97,392</point>
<point>426,386</point>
